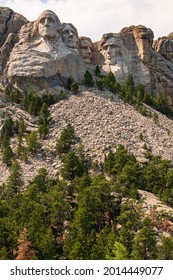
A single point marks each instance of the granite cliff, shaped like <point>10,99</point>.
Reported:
<point>51,52</point>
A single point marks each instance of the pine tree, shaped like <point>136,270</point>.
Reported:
<point>33,142</point>
<point>109,81</point>
<point>22,127</point>
<point>109,164</point>
<point>73,166</point>
<point>45,113</point>
<point>14,182</point>
<point>104,242</point>
<point>145,242</point>
<point>97,71</point>
<point>25,251</point>
<point>8,127</point>
<point>7,155</point>
<point>129,84</point>
<point>119,252</point>
<point>7,92</point>
<point>65,140</point>
<point>166,248</point>
<point>43,121</point>
<point>88,79</point>
<point>139,97</point>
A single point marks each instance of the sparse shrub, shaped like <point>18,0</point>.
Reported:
<point>62,95</point>
<point>74,87</point>
<point>143,110</point>
<point>145,146</point>
<point>100,84</point>
<point>141,136</point>
<point>111,97</point>
<point>155,117</point>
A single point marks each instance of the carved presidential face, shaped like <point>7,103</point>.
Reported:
<point>110,50</point>
<point>49,25</point>
<point>70,36</point>
<point>86,50</point>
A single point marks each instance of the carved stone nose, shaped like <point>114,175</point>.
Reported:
<point>108,49</point>
<point>46,22</point>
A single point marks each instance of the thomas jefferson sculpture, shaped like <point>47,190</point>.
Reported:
<point>70,35</point>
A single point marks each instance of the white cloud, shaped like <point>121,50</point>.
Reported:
<point>96,17</point>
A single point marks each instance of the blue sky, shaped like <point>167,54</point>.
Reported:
<point>93,18</point>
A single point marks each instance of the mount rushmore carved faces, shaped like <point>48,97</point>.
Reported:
<point>45,49</point>
<point>49,25</point>
<point>44,54</point>
<point>86,49</point>
<point>70,35</point>
<point>47,28</point>
<point>111,49</point>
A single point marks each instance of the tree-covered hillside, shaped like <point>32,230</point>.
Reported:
<point>88,209</point>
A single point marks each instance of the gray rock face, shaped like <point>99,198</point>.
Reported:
<point>10,22</point>
<point>164,46</point>
<point>46,50</point>
<point>131,51</point>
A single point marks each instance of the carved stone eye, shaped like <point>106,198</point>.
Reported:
<point>42,20</point>
<point>50,19</point>
<point>105,47</point>
<point>66,31</point>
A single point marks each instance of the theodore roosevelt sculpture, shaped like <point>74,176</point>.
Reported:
<point>86,49</point>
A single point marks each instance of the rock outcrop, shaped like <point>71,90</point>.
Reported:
<point>164,46</point>
<point>50,53</point>
<point>10,22</point>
